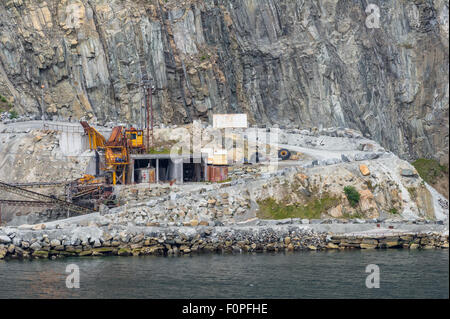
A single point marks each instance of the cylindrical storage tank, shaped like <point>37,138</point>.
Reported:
<point>147,175</point>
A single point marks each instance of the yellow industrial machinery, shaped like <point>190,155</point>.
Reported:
<point>117,162</point>
<point>88,179</point>
<point>96,140</point>
<point>117,148</point>
<point>136,139</point>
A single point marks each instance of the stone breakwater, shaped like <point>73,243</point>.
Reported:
<point>135,241</point>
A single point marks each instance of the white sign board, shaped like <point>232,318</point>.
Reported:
<point>229,120</point>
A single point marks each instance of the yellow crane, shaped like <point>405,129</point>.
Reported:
<point>96,140</point>
<point>117,148</point>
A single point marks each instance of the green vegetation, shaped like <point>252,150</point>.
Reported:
<point>204,57</point>
<point>225,180</point>
<point>370,186</point>
<point>356,214</point>
<point>430,170</point>
<point>271,209</point>
<point>412,192</point>
<point>164,150</point>
<point>163,147</point>
<point>352,195</point>
<point>393,211</point>
<point>159,151</point>
<point>13,114</point>
<point>5,106</point>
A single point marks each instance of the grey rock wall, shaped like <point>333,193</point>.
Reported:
<point>289,62</point>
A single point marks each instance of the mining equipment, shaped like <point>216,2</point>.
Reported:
<point>38,199</point>
<point>82,196</point>
<point>116,149</point>
<point>284,154</point>
<point>90,191</point>
<point>87,193</point>
<point>135,139</point>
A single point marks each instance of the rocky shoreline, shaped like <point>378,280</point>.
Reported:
<point>95,240</point>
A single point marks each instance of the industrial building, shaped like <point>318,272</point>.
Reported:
<point>154,168</point>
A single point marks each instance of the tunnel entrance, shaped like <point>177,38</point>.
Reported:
<point>164,168</point>
<point>192,172</point>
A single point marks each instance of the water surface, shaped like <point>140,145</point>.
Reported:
<point>328,274</point>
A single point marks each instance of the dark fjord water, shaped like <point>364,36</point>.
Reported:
<point>332,274</point>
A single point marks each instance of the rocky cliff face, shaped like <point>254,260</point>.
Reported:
<point>290,62</point>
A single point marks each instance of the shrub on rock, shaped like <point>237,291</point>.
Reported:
<point>352,194</point>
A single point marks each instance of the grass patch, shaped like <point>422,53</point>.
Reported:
<point>412,192</point>
<point>13,114</point>
<point>393,211</point>
<point>430,170</point>
<point>357,214</point>
<point>271,209</point>
<point>159,151</point>
<point>5,106</point>
<point>352,195</point>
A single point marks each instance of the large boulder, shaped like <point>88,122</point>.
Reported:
<point>368,204</point>
<point>336,212</point>
<point>3,252</point>
<point>5,240</point>
<point>364,170</point>
<point>55,242</point>
<point>366,156</point>
<point>194,222</point>
<point>38,227</point>
<point>345,158</point>
<point>408,172</point>
<point>35,246</point>
<point>85,234</point>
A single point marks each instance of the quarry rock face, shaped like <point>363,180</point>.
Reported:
<point>288,62</point>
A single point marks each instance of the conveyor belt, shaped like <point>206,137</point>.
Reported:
<point>40,184</point>
<point>86,192</point>
<point>30,203</point>
<point>44,198</point>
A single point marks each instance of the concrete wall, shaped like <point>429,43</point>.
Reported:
<point>73,143</point>
<point>91,168</point>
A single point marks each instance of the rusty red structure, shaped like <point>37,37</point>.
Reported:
<point>217,173</point>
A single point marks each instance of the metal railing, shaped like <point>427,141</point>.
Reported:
<point>62,128</point>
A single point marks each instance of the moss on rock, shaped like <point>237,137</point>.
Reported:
<point>40,254</point>
<point>271,209</point>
